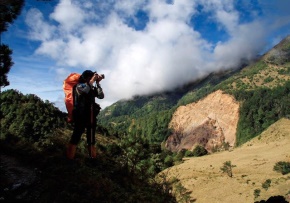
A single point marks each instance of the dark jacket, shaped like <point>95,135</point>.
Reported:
<point>84,100</point>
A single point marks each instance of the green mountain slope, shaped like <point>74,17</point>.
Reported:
<point>261,87</point>
<point>148,116</point>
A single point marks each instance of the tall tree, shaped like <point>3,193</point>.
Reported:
<point>9,10</point>
<point>5,64</point>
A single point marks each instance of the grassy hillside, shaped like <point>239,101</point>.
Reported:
<point>262,88</point>
<point>254,177</point>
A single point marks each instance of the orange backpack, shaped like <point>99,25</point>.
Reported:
<point>68,85</point>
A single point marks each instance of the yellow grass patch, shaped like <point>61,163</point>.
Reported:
<point>254,166</point>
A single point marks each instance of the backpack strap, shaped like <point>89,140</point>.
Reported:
<point>75,96</point>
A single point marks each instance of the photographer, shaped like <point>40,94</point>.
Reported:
<point>85,111</point>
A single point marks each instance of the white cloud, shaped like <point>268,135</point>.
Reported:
<point>245,45</point>
<point>68,14</point>
<point>128,8</point>
<point>53,48</point>
<point>167,53</point>
<point>180,10</point>
<point>39,29</point>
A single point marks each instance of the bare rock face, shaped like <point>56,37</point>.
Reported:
<point>209,122</point>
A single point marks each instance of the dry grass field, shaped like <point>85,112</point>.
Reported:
<point>253,161</point>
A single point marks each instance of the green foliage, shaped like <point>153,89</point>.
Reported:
<point>282,167</point>
<point>142,157</point>
<point>9,12</point>
<point>177,157</point>
<point>226,145</point>
<point>199,151</point>
<point>27,116</point>
<point>188,153</point>
<point>204,87</point>
<point>285,70</point>
<point>227,168</point>
<point>260,108</point>
<point>5,64</point>
<point>195,95</point>
<point>144,116</point>
<point>154,125</point>
<point>168,161</point>
<point>257,193</point>
<point>237,79</point>
<point>113,149</point>
<point>268,79</point>
<point>266,184</point>
<point>182,193</point>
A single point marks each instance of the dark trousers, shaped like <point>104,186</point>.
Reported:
<point>82,122</point>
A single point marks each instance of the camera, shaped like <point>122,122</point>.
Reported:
<point>102,75</point>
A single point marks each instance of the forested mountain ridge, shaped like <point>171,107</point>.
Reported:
<point>262,89</point>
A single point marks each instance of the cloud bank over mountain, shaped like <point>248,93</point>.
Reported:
<point>148,46</point>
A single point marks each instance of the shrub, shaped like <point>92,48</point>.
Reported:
<point>257,193</point>
<point>282,167</point>
<point>178,157</point>
<point>182,193</point>
<point>226,145</point>
<point>199,151</point>
<point>188,153</point>
<point>266,184</point>
<point>168,161</point>
<point>227,168</point>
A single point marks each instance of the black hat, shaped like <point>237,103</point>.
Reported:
<point>87,74</point>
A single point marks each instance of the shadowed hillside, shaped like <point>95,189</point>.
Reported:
<point>34,135</point>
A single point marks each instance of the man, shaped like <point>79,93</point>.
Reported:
<point>85,111</point>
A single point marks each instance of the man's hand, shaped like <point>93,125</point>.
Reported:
<point>96,78</point>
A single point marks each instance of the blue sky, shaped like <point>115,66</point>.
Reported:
<point>142,46</point>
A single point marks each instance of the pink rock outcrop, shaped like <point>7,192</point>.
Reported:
<point>209,122</point>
